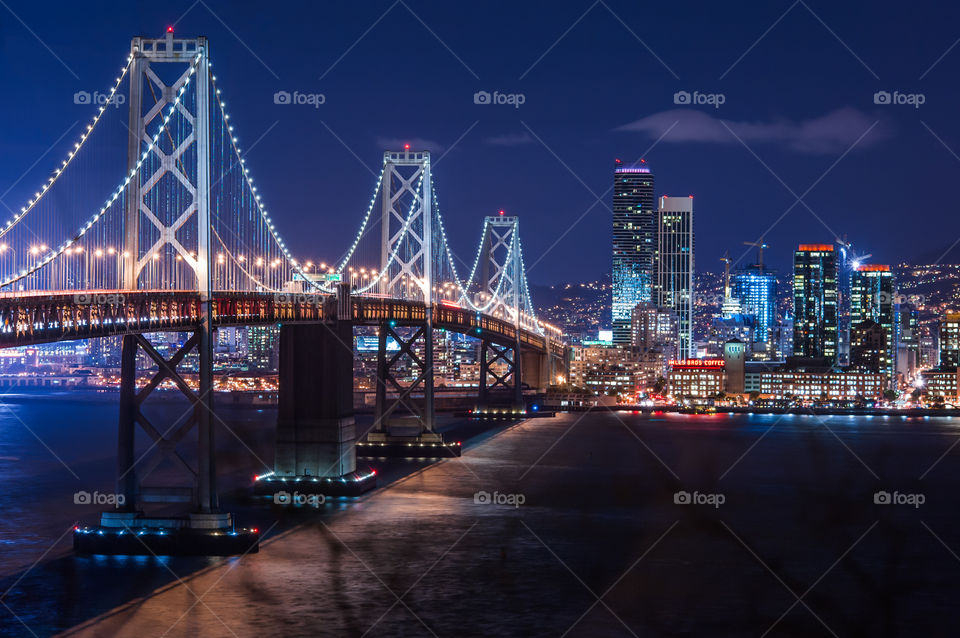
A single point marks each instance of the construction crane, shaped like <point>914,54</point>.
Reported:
<point>855,260</point>
<point>759,245</point>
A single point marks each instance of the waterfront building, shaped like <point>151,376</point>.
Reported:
<point>696,378</point>
<point>833,386</point>
<point>942,384</point>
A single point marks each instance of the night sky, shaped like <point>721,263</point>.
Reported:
<point>598,81</point>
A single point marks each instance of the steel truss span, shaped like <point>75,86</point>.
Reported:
<point>40,318</point>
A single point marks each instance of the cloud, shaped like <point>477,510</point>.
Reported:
<point>510,139</point>
<point>834,132</point>
<point>416,144</point>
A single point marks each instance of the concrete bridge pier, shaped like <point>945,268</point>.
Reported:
<point>316,433</point>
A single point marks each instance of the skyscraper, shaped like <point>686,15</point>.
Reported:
<point>757,291</point>
<point>674,288</point>
<point>634,244</point>
<point>872,299</point>
<point>950,341</point>
<point>815,302</point>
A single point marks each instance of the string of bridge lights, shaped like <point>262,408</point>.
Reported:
<point>31,204</point>
<point>464,291</point>
<point>253,189</point>
<point>403,233</point>
<point>113,198</point>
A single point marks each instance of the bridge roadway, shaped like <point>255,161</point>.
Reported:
<point>31,318</point>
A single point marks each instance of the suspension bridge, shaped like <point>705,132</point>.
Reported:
<point>174,236</point>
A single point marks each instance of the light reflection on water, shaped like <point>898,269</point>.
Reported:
<point>598,495</point>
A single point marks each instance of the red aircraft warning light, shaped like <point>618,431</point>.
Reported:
<point>406,147</point>
<point>501,211</point>
<point>170,29</point>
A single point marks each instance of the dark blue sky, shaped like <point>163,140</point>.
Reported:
<point>598,82</point>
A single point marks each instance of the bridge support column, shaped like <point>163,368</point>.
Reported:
<point>500,387</point>
<point>316,433</point>
<point>204,530</point>
<point>405,425</point>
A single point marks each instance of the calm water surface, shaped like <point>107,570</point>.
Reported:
<point>587,539</point>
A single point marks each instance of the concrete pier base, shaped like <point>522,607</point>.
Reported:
<point>132,533</point>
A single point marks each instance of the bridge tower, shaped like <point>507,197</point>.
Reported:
<point>161,71</point>
<point>501,288</point>
<point>408,271</point>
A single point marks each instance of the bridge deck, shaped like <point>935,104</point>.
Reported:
<point>31,318</point>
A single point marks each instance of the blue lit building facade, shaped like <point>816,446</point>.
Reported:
<point>634,244</point>
<point>757,291</point>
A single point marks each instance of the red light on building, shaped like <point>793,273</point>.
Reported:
<point>816,247</point>
<point>170,29</point>
<point>406,147</point>
<point>873,268</point>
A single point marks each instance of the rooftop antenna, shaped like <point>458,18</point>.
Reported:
<point>726,274</point>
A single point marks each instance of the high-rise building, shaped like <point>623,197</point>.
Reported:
<point>674,288</point>
<point>654,329</point>
<point>869,347</point>
<point>634,244</point>
<point>872,299</point>
<point>785,337</point>
<point>815,302</point>
<point>263,344</point>
<point>757,291</point>
<point>950,341</point>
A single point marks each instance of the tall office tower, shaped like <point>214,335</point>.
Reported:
<point>872,299</point>
<point>950,341</point>
<point>815,302</point>
<point>634,244</point>
<point>757,291</point>
<point>674,288</point>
